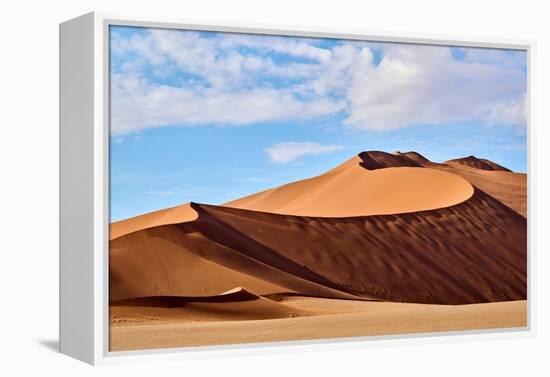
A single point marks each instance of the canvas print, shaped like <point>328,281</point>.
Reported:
<point>272,188</point>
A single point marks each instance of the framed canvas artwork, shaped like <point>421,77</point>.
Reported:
<point>225,187</point>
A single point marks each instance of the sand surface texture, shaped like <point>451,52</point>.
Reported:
<point>382,244</point>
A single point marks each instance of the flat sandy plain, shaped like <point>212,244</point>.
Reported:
<point>382,244</point>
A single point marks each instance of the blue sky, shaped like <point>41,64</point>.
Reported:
<point>210,117</point>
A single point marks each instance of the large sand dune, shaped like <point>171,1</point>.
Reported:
<point>354,190</point>
<point>467,253</point>
<point>379,227</point>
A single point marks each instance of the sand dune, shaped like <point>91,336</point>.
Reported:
<point>204,257</point>
<point>471,252</point>
<point>369,194</point>
<point>379,227</point>
<point>359,188</point>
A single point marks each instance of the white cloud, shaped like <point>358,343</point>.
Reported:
<point>426,85</point>
<point>221,87</point>
<point>233,79</point>
<point>140,104</point>
<point>290,151</point>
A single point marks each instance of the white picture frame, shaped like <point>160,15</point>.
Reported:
<point>84,190</point>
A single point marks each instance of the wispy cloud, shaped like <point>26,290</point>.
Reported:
<point>290,151</point>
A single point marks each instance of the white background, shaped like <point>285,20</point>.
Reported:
<point>29,184</point>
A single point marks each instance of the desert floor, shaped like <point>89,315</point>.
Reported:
<point>148,327</point>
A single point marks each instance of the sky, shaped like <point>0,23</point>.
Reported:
<point>209,117</point>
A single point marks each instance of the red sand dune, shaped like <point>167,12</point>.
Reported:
<point>338,250</point>
<point>471,252</point>
<point>393,227</point>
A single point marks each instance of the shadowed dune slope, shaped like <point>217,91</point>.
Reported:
<point>372,160</point>
<point>168,261</point>
<point>154,262</point>
<point>471,252</point>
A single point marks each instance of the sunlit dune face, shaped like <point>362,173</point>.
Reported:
<point>356,191</point>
